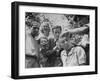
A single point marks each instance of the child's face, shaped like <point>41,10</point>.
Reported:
<point>64,43</point>
<point>44,42</point>
<point>46,30</point>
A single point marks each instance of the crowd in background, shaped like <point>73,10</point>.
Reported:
<point>51,42</point>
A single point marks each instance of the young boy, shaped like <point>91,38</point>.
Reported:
<point>71,55</point>
<point>44,47</point>
<point>53,42</point>
<point>47,56</point>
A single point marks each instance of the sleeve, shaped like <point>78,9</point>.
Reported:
<point>81,55</point>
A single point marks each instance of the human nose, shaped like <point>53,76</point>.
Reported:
<point>36,29</point>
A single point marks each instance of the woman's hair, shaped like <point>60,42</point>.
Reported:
<point>44,24</point>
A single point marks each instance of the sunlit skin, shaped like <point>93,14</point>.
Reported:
<point>44,43</point>
<point>65,44</point>
<point>35,31</point>
<point>46,30</point>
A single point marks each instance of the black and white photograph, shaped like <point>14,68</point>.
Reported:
<point>56,40</point>
<point>50,40</point>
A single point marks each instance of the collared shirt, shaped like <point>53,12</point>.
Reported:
<point>31,45</point>
<point>75,57</point>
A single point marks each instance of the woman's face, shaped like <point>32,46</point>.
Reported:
<point>46,30</point>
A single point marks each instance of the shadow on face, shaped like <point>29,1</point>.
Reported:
<point>65,43</point>
<point>35,31</point>
<point>57,33</point>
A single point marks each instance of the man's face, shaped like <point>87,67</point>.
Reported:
<point>56,33</point>
<point>35,31</point>
<point>44,43</point>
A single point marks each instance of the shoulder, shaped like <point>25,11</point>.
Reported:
<point>78,48</point>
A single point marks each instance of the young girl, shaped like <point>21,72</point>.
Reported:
<point>44,47</point>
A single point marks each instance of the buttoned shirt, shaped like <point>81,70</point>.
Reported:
<point>75,57</point>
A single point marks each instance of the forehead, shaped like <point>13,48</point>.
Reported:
<point>43,39</point>
<point>65,39</point>
<point>56,29</point>
<point>35,25</point>
<point>62,39</point>
<point>45,26</point>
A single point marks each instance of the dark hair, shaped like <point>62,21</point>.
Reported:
<point>56,27</point>
<point>28,23</point>
<point>42,38</point>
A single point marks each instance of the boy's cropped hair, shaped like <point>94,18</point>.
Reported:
<point>68,35</point>
<point>56,27</point>
<point>42,38</point>
<point>32,24</point>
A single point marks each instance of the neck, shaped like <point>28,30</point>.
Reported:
<point>68,50</point>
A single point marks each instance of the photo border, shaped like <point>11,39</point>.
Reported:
<point>15,39</point>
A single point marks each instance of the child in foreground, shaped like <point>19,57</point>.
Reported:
<point>71,55</point>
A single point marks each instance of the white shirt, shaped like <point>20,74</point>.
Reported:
<point>31,45</point>
<point>74,58</point>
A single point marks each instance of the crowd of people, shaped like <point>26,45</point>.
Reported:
<point>69,48</point>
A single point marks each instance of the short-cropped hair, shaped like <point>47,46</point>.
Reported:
<point>68,35</point>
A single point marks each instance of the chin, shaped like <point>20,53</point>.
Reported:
<point>34,34</point>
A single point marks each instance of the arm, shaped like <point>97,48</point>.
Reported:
<point>78,30</point>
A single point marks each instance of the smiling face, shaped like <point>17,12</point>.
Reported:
<point>35,31</point>
<point>46,29</point>
<point>65,42</point>
<point>44,43</point>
